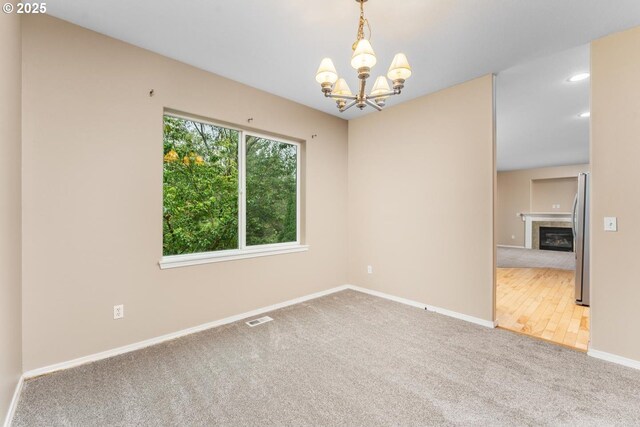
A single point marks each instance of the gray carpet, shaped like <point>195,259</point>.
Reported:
<point>534,258</point>
<point>347,359</point>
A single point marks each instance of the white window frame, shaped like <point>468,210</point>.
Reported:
<point>243,251</point>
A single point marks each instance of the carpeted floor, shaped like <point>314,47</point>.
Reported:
<point>347,359</point>
<point>534,258</point>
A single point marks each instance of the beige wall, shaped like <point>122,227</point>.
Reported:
<point>93,196</point>
<point>615,153</point>
<point>10,212</point>
<point>514,195</point>
<point>421,199</point>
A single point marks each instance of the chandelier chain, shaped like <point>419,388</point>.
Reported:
<point>361,24</point>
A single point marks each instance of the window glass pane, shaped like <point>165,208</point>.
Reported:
<point>271,191</point>
<point>200,192</point>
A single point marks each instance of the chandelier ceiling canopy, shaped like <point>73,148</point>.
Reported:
<point>362,60</point>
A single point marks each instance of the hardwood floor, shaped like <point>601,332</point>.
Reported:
<point>540,302</point>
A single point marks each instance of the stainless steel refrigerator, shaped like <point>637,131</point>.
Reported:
<point>581,239</point>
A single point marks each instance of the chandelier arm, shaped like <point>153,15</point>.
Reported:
<point>334,96</point>
<point>349,105</point>
<point>373,104</point>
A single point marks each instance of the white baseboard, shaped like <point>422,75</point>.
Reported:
<point>14,403</point>
<point>444,311</point>
<point>157,340</point>
<point>510,246</point>
<point>614,358</point>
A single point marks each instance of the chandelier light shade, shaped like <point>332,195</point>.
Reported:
<point>363,56</point>
<point>342,88</point>
<point>326,72</point>
<point>400,68</point>
<point>363,60</point>
<point>381,88</point>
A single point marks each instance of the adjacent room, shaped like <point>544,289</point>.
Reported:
<point>542,189</point>
<point>353,213</point>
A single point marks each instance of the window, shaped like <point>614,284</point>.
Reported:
<point>227,193</point>
<point>272,194</point>
<point>200,187</point>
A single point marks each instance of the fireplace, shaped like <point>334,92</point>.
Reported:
<point>556,239</point>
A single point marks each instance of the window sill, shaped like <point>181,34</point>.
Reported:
<point>174,261</point>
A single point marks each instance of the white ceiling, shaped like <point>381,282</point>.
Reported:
<point>537,112</point>
<point>276,45</point>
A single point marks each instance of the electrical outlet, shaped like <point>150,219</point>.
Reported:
<point>513,237</point>
<point>369,269</point>
<point>610,223</point>
<point>118,311</point>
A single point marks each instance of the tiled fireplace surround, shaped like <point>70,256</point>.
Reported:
<point>534,220</point>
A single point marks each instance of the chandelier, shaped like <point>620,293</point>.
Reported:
<point>363,59</point>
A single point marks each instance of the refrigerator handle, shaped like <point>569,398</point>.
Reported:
<point>574,217</point>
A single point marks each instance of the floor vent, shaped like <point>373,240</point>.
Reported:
<point>260,321</point>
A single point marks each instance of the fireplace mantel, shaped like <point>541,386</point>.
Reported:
<point>530,217</point>
<point>553,215</point>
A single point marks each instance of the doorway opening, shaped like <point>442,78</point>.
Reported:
<point>542,189</point>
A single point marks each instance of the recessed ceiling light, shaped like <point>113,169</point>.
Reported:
<point>578,77</point>
<point>585,114</point>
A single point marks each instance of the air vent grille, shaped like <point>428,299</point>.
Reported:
<point>260,321</point>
